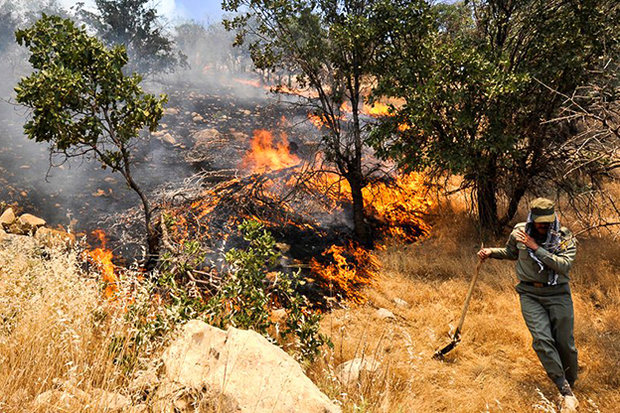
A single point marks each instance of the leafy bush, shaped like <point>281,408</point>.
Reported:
<point>246,297</point>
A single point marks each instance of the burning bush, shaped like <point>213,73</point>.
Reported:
<point>345,271</point>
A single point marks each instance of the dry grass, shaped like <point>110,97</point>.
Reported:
<point>54,328</point>
<point>494,368</point>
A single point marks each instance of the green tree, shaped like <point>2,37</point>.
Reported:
<point>82,103</point>
<point>136,25</point>
<point>477,105</point>
<point>332,46</point>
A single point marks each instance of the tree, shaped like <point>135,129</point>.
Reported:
<point>83,104</point>
<point>332,47</point>
<point>136,25</point>
<point>477,106</point>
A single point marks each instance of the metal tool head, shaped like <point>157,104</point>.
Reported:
<point>440,354</point>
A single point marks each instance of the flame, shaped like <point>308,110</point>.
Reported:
<point>316,120</point>
<point>377,109</point>
<point>349,269</point>
<point>305,93</point>
<point>265,156</point>
<point>249,82</point>
<point>102,258</point>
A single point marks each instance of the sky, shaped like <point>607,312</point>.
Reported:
<point>206,11</point>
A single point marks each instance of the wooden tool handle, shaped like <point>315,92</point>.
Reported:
<point>472,284</point>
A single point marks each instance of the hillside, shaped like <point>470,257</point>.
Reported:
<point>494,367</point>
<point>57,328</point>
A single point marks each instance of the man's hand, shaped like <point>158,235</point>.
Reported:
<point>484,253</point>
<point>529,242</point>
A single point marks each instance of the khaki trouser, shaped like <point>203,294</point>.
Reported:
<point>548,313</point>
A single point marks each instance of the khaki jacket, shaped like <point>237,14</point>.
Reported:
<point>528,269</point>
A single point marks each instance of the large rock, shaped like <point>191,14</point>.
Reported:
<point>215,149</point>
<point>7,218</point>
<point>243,368</point>
<point>27,224</point>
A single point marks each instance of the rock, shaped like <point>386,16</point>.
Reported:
<point>7,218</point>
<point>72,399</point>
<point>278,316</point>
<point>29,223</point>
<point>171,111</point>
<point>168,138</point>
<point>352,371</point>
<point>242,367</point>
<point>206,137</point>
<point>385,314</point>
<point>400,302</point>
<point>58,400</point>
<point>53,238</point>
<point>197,118</point>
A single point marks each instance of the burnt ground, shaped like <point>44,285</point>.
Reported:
<point>81,195</point>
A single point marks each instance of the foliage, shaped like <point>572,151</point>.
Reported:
<point>477,98</point>
<point>245,298</point>
<point>136,25</point>
<point>250,293</point>
<point>83,104</point>
<point>332,46</point>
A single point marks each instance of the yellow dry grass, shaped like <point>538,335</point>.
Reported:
<point>494,369</point>
<point>54,329</point>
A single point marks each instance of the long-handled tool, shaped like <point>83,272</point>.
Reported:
<point>456,338</point>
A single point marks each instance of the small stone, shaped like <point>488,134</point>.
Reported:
<point>171,111</point>
<point>400,302</point>
<point>385,314</point>
<point>7,218</point>
<point>278,316</point>
<point>168,138</point>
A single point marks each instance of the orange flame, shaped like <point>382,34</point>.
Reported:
<point>316,120</point>
<point>265,156</point>
<point>102,258</point>
<point>351,269</point>
<point>377,109</point>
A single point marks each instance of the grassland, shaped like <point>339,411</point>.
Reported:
<point>494,369</point>
<point>53,327</point>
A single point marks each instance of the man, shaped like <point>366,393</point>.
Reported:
<point>544,252</point>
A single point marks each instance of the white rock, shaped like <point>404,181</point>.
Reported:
<point>353,371</point>
<point>385,314</point>
<point>171,111</point>
<point>400,302</point>
<point>242,366</point>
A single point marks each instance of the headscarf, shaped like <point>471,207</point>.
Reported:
<point>551,244</point>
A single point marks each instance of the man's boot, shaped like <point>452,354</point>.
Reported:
<point>569,402</point>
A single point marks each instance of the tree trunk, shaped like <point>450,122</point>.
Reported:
<point>486,189</point>
<point>361,229</point>
<point>152,235</point>
<point>513,204</point>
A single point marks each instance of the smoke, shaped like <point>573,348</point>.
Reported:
<point>224,91</point>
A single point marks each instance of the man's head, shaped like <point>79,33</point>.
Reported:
<point>543,214</point>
